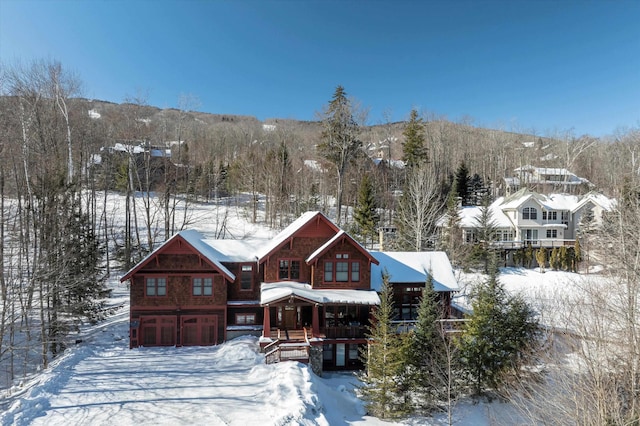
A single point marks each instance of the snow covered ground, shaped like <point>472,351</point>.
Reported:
<point>101,381</point>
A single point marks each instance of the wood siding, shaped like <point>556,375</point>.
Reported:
<point>354,255</point>
<point>297,249</point>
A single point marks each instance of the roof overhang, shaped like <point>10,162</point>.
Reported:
<point>284,291</point>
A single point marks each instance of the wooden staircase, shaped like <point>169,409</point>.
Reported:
<point>289,345</point>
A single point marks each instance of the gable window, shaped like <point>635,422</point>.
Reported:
<point>552,233</point>
<point>202,286</point>
<point>530,213</point>
<point>156,287</point>
<point>246,277</point>
<point>288,269</point>
<point>245,319</point>
<point>342,270</point>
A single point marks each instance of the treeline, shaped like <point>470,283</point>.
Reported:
<point>60,156</point>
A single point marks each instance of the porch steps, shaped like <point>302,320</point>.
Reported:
<point>289,345</point>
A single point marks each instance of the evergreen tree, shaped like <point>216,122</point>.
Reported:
<point>564,258</point>
<point>577,255</point>
<point>541,258</point>
<point>485,231</point>
<point>554,259</point>
<point>497,336</point>
<point>451,238</point>
<point>528,256</point>
<point>462,183</point>
<point>384,362</point>
<point>365,213</point>
<point>428,355</point>
<point>477,190</point>
<point>340,143</point>
<point>414,149</point>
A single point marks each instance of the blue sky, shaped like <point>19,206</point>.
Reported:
<point>539,66</point>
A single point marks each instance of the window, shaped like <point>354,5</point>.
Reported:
<point>530,234</point>
<point>342,270</point>
<point>504,235</point>
<point>552,233</point>
<point>156,287</point>
<point>202,286</point>
<point>549,215</point>
<point>328,271</point>
<point>407,302</point>
<point>246,277</point>
<point>355,272</point>
<point>288,269</point>
<point>245,319</point>
<point>530,213</point>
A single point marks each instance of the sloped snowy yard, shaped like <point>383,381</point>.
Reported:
<point>101,381</point>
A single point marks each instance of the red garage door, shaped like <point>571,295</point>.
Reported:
<point>199,330</point>
<point>158,330</point>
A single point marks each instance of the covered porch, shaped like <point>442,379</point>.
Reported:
<point>295,312</point>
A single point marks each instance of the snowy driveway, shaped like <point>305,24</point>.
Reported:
<point>102,381</point>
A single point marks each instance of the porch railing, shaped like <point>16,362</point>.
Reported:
<point>280,350</point>
<point>346,331</point>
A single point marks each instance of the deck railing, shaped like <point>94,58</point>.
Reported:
<point>281,350</point>
<point>533,243</point>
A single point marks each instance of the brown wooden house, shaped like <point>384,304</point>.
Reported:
<point>307,293</point>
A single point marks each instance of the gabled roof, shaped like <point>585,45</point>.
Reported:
<point>518,198</point>
<point>469,216</point>
<point>601,200</point>
<point>194,239</point>
<point>287,233</point>
<point>414,267</point>
<point>281,291</point>
<point>340,236</point>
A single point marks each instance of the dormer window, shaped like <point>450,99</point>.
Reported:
<point>530,213</point>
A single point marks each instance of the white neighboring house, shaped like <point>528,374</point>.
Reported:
<point>529,218</point>
<point>543,179</point>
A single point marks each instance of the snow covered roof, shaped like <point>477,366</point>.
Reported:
<point>193,238</point>
<point>286,233</point>
<point>469,215</point>
<point>603,201</point>
<point>196,240</point>
<point>237,250</point>
<point>340,235</point>
<point>273,292</point>
<point>413,267</point>
<point>554,202</point>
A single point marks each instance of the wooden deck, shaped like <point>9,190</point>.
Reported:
<point>287,345</point>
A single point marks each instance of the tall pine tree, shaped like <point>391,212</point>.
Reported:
<point>339,140</point>
<point>384,361</point>
<point>497,336</point>
<point>462,184</point>
<point>365,213</point>
<point>428,356</point>
<point>414,149</point>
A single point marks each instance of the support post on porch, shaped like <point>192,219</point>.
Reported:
<point>315,322</point>
<point>266,323</point>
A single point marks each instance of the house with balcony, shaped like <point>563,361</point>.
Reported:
<point>545,180</point>
<point>308,293</point>
<point>528,218</point>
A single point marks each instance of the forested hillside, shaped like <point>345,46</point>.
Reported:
<point>62,154</point>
